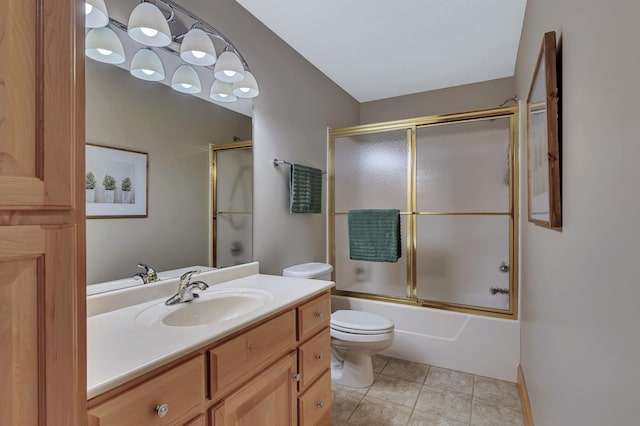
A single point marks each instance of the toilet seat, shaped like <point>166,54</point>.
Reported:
<point>361,338</point>
<point>358,322</point>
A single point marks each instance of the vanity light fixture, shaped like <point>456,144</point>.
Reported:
<point>148,26</point>
<point>229,68</point>
<point>95,14</point>
<point>247,88</point>
<point>146,65</point>
<point>222,92</point>
<point>103,45</point>
<point>186,80</point>
<point>197,48</point>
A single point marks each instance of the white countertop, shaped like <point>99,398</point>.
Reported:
<point>120,349</point>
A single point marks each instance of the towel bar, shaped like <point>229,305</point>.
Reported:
<point>277,162</point>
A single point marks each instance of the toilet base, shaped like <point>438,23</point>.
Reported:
<point>351,368</point>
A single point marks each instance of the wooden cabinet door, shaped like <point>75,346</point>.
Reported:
<point>42,272</point>
<point>267,400</point>
<point>38,77</point>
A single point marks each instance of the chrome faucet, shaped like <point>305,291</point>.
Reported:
<point>148,276</point>
<point>185,289</point>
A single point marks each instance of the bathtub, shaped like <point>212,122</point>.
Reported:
<point>475,344</point>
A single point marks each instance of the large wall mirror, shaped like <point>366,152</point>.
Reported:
<point>176,131</point>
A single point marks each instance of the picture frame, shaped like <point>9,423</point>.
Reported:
<point>543,146</point>
<point>116,182</point>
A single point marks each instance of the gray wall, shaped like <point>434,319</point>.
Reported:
<point>580,292</point>
<point>452,99</point>
<point>296,105</point>
<point>175,130</point>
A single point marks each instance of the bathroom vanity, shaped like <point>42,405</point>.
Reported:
<point>263,361</point>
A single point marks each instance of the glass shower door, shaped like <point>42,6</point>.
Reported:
<point>371,171</point>
<point>464,214</point>
<point>233,205</point>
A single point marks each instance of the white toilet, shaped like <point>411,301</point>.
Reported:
<point>355,335</point>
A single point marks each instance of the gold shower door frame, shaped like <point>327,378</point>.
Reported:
<point>411,126</point>
<point>213,172</point>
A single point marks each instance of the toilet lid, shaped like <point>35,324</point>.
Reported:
<point>358,322</point>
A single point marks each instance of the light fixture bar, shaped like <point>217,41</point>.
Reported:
<point>207,28</point>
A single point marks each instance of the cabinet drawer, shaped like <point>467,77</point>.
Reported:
<point>314,357</point>
<point>315,403</point>
<point>239,359</point>
<point>313,316</point>
<point>181,389</point>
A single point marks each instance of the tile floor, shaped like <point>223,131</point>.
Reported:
<point>411,394</point>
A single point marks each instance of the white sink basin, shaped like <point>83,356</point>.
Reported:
<point>213,306</point>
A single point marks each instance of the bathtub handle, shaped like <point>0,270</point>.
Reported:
<point>319,315</point>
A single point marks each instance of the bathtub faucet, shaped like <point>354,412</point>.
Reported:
<point>497,290</point>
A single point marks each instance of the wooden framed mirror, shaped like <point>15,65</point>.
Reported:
<point>543,150</point>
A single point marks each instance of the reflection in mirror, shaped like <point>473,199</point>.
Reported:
<point>232,184</point>
<point>175,130</point>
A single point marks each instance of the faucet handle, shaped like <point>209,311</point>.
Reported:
<point>148,269</point>
<point>186,277</point>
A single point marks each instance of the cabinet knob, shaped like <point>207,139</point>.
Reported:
<point>319,315</point>
<point>296,377</point>
<point>162,410</point>
<point>320,404</point>
<point>320,357</point>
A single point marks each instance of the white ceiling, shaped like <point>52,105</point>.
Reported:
<point>376,49</point>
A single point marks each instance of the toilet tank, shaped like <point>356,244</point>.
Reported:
<point>312,270</point>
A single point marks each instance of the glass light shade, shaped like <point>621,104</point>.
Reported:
<point>197,48</point>
<point>186,80</point>
<point>148,25</point>
<point>247,88</point>
<point>222,92</point>
<point>95,14</point>
<point>229,68</point>
<point>103,45</point>
<point>146,65</point>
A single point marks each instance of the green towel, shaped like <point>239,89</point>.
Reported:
<point>374,235</point>
<point>305,189</point>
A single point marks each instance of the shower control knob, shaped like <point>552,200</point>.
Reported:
<point>320,357</point>
<point>162,410</point>
<point>320,404</point>
<point>319,315</point>
<point>504,267</point>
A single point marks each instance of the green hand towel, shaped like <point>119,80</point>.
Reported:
<point>305,189</point>
<point>374,235</point>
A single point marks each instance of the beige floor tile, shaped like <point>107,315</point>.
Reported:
<point>452,380</point>
<point>375,412</point>
<point>444,403</point>
<point>444,400</point>
<point>406,370</point>
<point>490,390</point>
<point>397,391</point>
<point>494,414</point>
<point>344,400</point>
<point>427,419</point>
<point>379,362</point>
